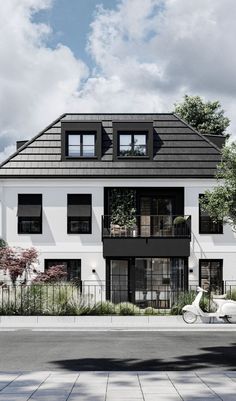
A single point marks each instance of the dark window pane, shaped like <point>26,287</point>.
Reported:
<point>206,224</point>
<point>71,266</point>
<point>29,213</point>
<point>79,213</point>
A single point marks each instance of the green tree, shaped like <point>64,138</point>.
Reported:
<point>220,203</point>
<point>205,117</point>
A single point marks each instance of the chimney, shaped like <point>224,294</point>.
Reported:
<point>19,144</point>
<point>218,140</point>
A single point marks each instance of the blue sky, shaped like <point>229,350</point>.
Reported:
<point>70,21</point>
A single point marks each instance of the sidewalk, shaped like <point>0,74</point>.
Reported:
<point>118,386</point>
<point>138,323</point>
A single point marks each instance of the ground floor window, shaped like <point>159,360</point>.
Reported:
<point>211,275</point>
<point>71,266</point>
<point>146,281</point>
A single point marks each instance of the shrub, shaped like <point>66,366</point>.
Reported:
<point>151,311</point>
<point>126,308</point>
<point>103,308</point>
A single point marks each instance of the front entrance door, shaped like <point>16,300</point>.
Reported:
<point>211,275</point>
<point>119,280</point>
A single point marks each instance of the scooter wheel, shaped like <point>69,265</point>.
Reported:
<point>231,319</point>
<point>189,317</point>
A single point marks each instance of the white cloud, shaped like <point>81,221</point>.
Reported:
<point>147,54</point>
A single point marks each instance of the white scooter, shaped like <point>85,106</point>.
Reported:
<point>226,309</point>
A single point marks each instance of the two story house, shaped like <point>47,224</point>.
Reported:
<point>114,198</point>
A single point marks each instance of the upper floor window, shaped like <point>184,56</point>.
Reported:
<point>79,214</point>
<point>206,224</point>
<point>29,214</point>
<point>81,144</point>
<point>132,143</point>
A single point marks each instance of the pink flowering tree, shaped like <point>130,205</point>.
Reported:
<point>52,275</point>
<point>17,261</point>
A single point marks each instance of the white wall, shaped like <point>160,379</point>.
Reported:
<point>56,243</point>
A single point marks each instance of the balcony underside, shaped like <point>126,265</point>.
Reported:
<point>146,247</point>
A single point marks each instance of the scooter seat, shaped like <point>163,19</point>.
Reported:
<point>219,296</point>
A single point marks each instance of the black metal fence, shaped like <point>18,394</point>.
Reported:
<point>94,299</point>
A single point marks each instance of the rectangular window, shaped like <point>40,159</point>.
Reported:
<point>71,266</point>
<point>79,214</point>
<point>29,214</point>
<point>132,143</point>
<point>211,275</point>
<point>81,144</point>
<point>206,225</point>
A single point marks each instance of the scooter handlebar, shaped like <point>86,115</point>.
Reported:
<point>199,289</point>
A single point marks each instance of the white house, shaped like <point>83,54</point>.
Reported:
<point>115,198</point>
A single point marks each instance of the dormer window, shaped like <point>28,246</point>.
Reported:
<point>132,143</point>
<point>133,140</point>
<point>81,144</point>
<point>81,140</point>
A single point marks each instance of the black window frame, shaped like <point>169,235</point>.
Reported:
<point>79,218</point>
<point>220,261</point>
<point>214,228</point>
<point>81,128</point>
<point>132,134</point>
<point>60,261</point>
<point>136,128</point>
<point>28,200</point>
<point>81,135</point>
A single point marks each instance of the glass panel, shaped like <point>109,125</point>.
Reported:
<point>89,140</point>
<point>155,280</point>
<point>74,140</point>
<point>211,275</point>
<point>119,281</point>
<point>74,270</point>
<point>125,140</point>
<point>139,150</point>
<point>88,151</point>
<point>79,226</point>
<point>29,226</point>
<point>125,151</point>
<point>140,139</point>
<point>74,151</point>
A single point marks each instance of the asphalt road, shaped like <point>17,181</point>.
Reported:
<point>117,350</point>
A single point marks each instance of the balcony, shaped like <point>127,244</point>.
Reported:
<point>151,235</point>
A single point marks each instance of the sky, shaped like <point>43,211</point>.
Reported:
<point>60,56</point>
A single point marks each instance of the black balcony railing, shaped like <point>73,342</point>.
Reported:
<point>148,226</point>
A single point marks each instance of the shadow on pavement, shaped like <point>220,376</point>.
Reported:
<point>220,357</point>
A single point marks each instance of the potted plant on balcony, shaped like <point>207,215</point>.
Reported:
<point>179,225</point>
<point>123,211</point>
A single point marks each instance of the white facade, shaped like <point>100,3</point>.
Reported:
<point>55,243</point>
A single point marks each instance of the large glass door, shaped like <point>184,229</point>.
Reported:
<point>211,275</point>
<point>155,215</point>
<point>119,280</point>
<point>158,281</point>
